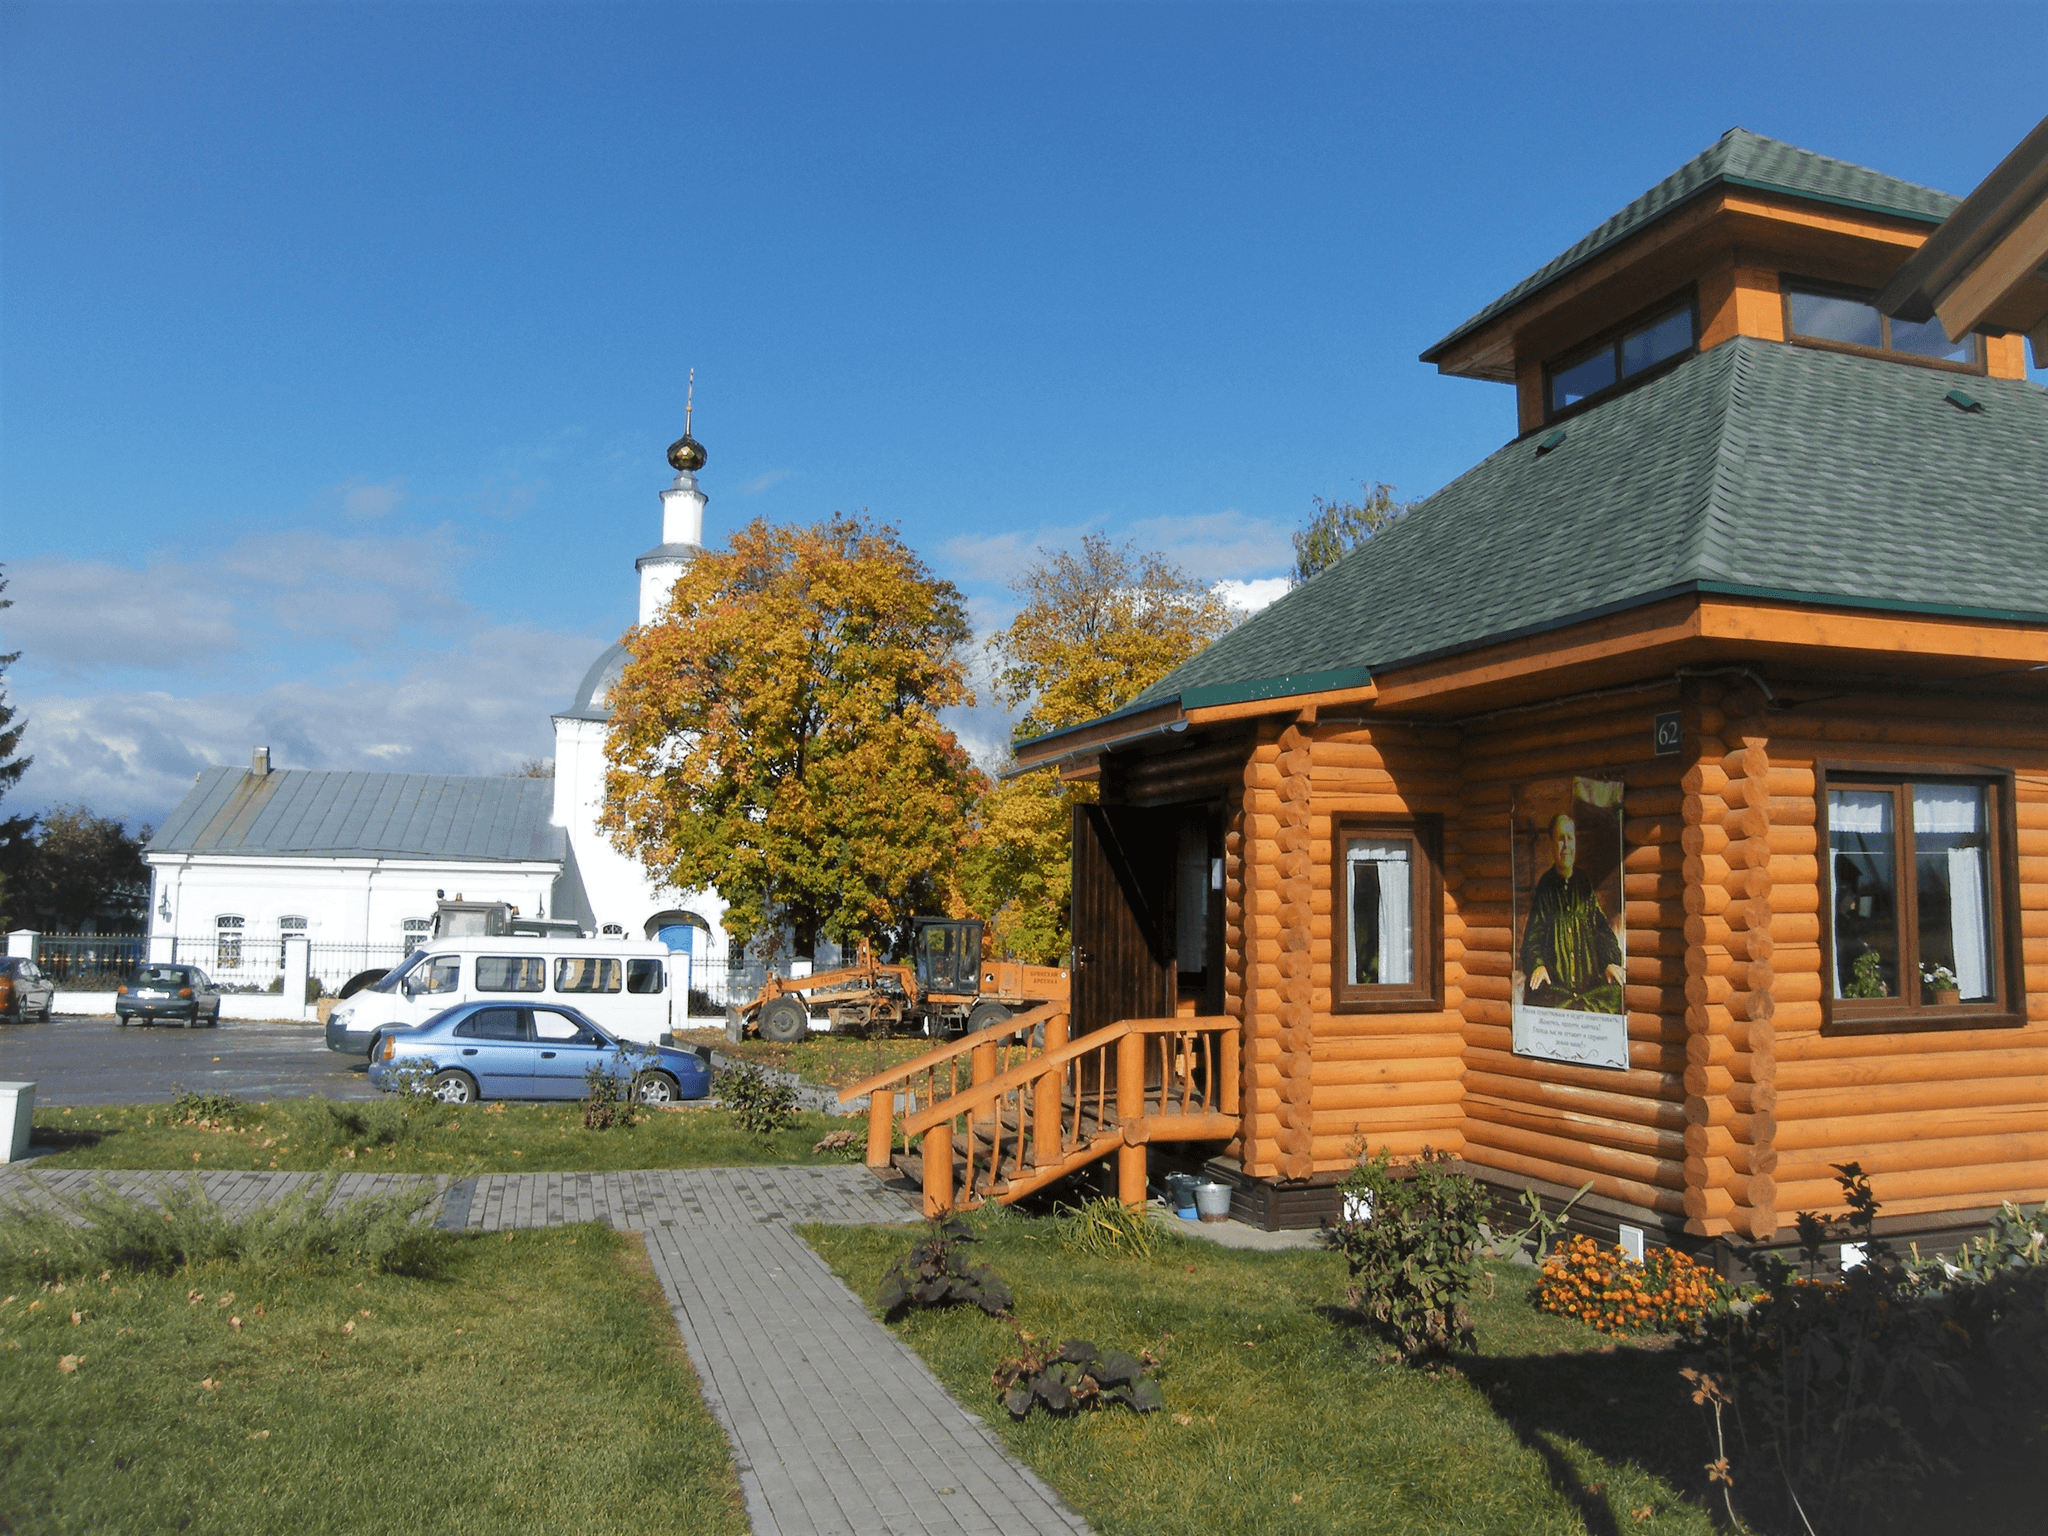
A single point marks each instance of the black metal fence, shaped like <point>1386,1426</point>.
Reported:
<point>91,962</point>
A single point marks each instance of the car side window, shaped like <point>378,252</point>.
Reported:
<point>549,1025</point>
<point>493,1024</point>
<point>443,973</point>
<point>643,976</point>
<point>584,974</point>
<point>511,973</point>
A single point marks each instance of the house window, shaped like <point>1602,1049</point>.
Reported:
<point>227,943</point>
<point>1386,947</point>
<point>1822,314</point>
<point>1620,356</point>
<point>417,931</point>
<point>1916,899</point>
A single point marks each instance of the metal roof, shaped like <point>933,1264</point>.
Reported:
<point>1738,158</point>
<point>299,812</point>
<point>592,693</point>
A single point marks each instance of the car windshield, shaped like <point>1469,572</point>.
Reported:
<point>391,978</point>
<point>162,976</point>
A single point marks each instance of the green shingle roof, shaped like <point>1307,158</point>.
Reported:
<point>1741,159</point>
<point>1757,468</point>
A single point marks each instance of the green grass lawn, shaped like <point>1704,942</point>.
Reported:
<point>831,1061</point>
<point>537,1384</point>
<point>384,1136</point>
<point>1282,1415</point>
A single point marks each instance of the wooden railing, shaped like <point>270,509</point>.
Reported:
<point>1116,1089</point>
<point>937,1074</point>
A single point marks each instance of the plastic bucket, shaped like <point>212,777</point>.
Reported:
<point>1212,1200</point>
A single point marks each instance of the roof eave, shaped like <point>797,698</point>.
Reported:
<point>2016,184</point>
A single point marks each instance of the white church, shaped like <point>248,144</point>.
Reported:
<point>355,862</point>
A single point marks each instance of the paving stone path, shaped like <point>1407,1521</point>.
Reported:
<point>836,1425</point>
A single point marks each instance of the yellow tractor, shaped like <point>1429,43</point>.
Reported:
<point>949,988</point>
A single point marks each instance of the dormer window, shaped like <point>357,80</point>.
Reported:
<point>1821,314</point>
<point>1621,357</point>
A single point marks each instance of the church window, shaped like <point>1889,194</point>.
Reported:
<point>227,943</point>
<point>417,930</point>
<point>1821,314</point>
<point>614,931</point>
<point>1627,354</point>
<point>1386,947</point>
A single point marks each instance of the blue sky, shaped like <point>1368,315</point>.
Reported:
<point>340,344</point>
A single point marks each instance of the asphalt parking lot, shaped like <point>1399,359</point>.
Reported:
<point>80,1060</point>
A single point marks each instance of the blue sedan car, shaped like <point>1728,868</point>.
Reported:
<point>492,1050</point>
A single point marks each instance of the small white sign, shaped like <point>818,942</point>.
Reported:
<point>1566,1034</point>
<point>1632,1243</point>
<point>1854,1256</point>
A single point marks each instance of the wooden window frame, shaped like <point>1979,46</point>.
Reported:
<point>1610,340</point>
<point>2007,1008</point>
<point>1426,993</point>
<point>1787,282</point>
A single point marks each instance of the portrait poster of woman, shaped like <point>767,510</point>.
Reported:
<point>1570,958</point>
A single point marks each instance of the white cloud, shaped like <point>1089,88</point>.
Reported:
<point>363,499</point>
<point>760,483</point>
<point>1210,546</point>
<point>482,708</point>
<point>71,616</point>
<point>1245,598</point>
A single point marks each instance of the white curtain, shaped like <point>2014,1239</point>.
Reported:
<point>1389,863</point>
<point>1859,810</point>
<point>1958,811</point>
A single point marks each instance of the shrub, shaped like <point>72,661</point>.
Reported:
<point>1107,1229</point>
<point>1666,1293</point>
<point>54,1235</point>
<point>1849,1388</point>
<point>608,1096</point>
<point>759,1103</point>
<point>1411,1259</point>
<point>935,1274</point>
<point>385,1123</point>
<point>203,1108</point>
<point>1076,1375</point>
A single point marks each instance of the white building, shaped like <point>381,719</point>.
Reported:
<point>355,861</point>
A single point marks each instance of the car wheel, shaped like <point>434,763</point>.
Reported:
<point>376,1044</point>
<point>784,1021</point>
<point>453,1088</point>
<point>985,1014</point>
<point>656,1088</point>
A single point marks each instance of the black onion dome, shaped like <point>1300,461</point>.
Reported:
<point>686,454</point>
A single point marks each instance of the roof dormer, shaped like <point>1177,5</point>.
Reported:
<point>1751,238</point>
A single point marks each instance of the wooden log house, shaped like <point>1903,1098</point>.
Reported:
<point>1664,802</point>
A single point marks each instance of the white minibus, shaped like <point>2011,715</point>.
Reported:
<point>626,988</point>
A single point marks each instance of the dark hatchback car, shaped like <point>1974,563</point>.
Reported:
<point>25,992</point>
<point>496,1051</point>
<point>170,994</point>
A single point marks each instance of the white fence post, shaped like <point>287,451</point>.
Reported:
<point>21,944</point>
<point>297,962</point>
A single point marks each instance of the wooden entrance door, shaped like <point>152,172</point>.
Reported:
<point>1123,914</point>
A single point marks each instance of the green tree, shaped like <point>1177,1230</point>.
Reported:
<point>15,844</point>
<point>1096,630</point>
<point>1341,526</point>
<point>776,735</point>
<point>82,868</point>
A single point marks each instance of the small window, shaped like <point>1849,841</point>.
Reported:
<point>417,931</point>
<point>494,1024</point>
<point>511,973</point>
<point>1845,317</point>
<point>443,973</point>
<point>643,976</point>
<point>291,927</point>
<point>1916,900</point>
<point>1620,356</point>
<point>1386,947</point>
<point>227,943</point>
<point>614,931</point>
<point>586,975</point>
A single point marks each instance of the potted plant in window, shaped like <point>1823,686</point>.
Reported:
<point>1940,985</point>
<point>1865,977</point>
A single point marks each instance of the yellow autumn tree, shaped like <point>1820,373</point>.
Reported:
<point>1097,629</point>
<point>776,735</point>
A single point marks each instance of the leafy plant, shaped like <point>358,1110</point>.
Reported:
<point>1853,1385</point>
<point>1666,1293</point>
<point>203,1108</point>
<point>1411,1259</point>
<point>1939,978</point>
<point>1107,1228</point>
<point>759,1103</point>
<point>608,1091</point>
<point>1866,979</point>
<point>1075,1375</point>
<point>1543,1227</point>
<point>934,1273</point>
